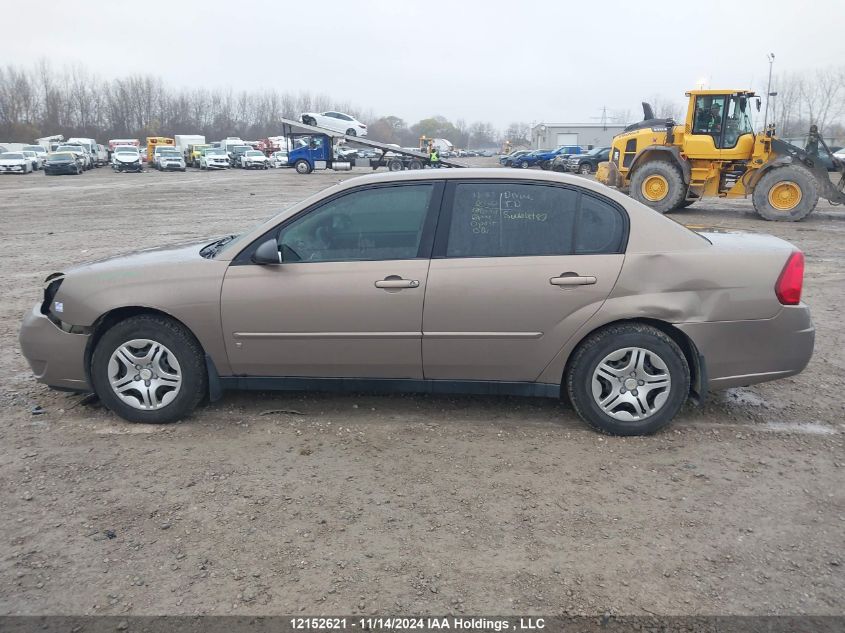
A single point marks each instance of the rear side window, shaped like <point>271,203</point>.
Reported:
<point>514,219</point>
<point>600,228</point>
<point>508,220</point>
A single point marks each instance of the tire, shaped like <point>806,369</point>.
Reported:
<point>351,132</point>
<point>585,169</point>
<point>586,386</point>
<point>395,165</point>
<point>685,203</point>
<point>778,185</point>
<point>302,167</point>
<point>415,164</point>
<point>178,343</point>
<point>524,165</point>
<point>665,178</point>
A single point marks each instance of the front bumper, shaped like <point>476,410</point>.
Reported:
<point>60,169</point>
<point>224,164</point>
<point>13,168</point>
<point>741,353</point>
<point>56,357</point>
<point>172,166</point>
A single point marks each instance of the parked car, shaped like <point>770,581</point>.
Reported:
<point>584,164</point>
<point>34,158</point>
<point>279,158</point>
<point>15,162</point>
<point>621,310</point>
<point>253,159</point>
<point>58,163</point>
<point>507,159</point>
<point>38,149</point>
<point>214,158</point>
<point>169,159</point>
<point>543,157</point>
<point>336,121</point>
<point>235,153</point>
<point>126,158</point>
<point>80,151</point>
<point>101,154</point>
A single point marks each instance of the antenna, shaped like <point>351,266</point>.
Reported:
<point>769,93</point>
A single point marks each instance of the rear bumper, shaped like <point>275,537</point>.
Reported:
<point>740,353</point>
<point>56,357</point>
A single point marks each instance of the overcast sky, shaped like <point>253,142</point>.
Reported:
<point>480,60</point>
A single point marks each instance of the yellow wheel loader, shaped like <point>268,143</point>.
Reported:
<point>715,152</point>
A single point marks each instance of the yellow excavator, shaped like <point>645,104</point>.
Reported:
<point>716,152</point>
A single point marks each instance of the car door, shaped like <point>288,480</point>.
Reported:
<point>517,268</point>
<point>346,300</point>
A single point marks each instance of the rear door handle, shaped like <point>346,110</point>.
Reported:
<point>394,281</point>
<point>572,279</point>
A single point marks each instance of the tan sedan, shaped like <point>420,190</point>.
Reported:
<point>477,281</point>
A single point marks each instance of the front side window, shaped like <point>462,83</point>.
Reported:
<point>512,220</point>
<point>737,122</point>
<point>368,225</point>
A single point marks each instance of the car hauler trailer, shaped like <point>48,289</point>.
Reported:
<point>313,148</point>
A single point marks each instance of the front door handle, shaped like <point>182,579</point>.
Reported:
<point>572,279</point>
<point>395,281</point>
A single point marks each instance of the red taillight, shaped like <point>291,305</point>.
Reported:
<point>791,280</point>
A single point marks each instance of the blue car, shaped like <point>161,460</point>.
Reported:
<point>544,157</point>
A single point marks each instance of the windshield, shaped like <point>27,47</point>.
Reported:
<point>215,152</point>
<point>11,156</point>
<point>60,158</point>
<point>34,148</point>
<point>241,148</point>
<point>170,153</point>
<point>254,153</point>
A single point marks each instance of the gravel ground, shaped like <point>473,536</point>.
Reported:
<point>414,504</point>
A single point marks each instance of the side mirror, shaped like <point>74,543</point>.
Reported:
<point>267,254</point>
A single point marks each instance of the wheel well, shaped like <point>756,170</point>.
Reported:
<point>111,318</point>
<point>668,154</point>
<point>695,361</point>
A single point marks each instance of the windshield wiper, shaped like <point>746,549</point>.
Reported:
<point>210,250</point>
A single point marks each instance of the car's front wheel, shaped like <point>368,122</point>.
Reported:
<point>585,169</point>
<point>302,167</point>
<point>628,379</point>
<point>149,369</point>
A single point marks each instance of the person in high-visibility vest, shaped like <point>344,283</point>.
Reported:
<point>434,157</point>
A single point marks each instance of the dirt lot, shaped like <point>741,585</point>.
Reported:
<point>419,504</point>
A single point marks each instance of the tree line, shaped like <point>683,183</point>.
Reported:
<point>38,101</point>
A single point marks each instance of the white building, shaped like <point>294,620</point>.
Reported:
<point>587,135</point>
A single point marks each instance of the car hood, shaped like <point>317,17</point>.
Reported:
<point>174,279</point>
<point>13,161</point>
<point>127,158</point>
<point>160,255</point>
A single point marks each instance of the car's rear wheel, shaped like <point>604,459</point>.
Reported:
<point>659,185</point>
<point>628,379</point>
<point>788,194</point>
<point>150,369</point>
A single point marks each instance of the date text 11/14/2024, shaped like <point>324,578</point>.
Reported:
<point>375,623</point>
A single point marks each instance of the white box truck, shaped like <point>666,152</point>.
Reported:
<point>183,140</point>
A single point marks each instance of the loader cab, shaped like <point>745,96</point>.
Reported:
<point>718,125</point>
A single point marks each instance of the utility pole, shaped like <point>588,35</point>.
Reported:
<point>769,93</point>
